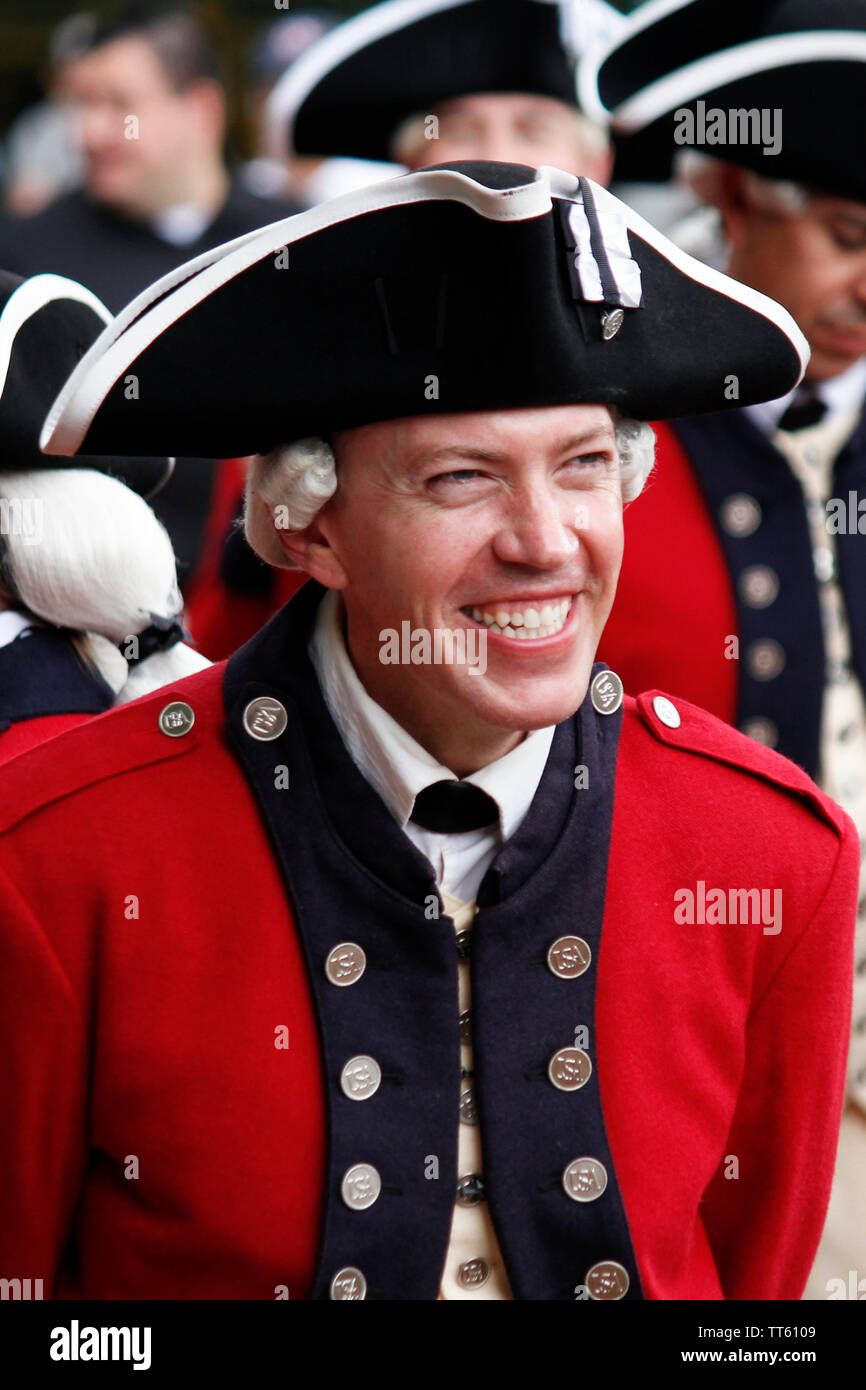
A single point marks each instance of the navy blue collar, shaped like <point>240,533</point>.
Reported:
<point>42,674</point>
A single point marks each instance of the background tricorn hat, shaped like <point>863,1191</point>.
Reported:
<point>47,323</point>
<point>351,90</point>
<point>803,58</point>
<point>468,287</point>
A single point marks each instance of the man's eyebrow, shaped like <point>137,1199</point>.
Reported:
<point>601,436</point>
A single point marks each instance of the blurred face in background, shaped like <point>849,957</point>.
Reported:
<point>145,143</point>
<point>512,128</point>
<point>812,260</point>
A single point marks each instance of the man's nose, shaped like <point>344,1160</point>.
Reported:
<point>539,530</point>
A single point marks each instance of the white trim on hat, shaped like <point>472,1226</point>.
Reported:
<point>745,60</point>
<point>28,299</point>
<point>647,14</point>
<point>71,415</point>
<point>163,303</point>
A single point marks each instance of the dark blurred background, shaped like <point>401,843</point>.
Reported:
<point>26,27</point>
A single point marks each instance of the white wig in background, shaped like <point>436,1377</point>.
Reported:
<point>285,489</point>
<point>88,554</point>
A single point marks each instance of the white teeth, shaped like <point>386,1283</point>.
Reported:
<point>528,624</point>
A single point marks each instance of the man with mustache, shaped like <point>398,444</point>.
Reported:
<point>744,579</point>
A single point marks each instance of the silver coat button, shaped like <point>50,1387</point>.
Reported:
<point>470,1190</point>
<point>176,719</point>
<point>584,1179</point>
<point>740,514</point>
<point>761,730</point>
<point>361,1186</point>
<point>569,1068</point>
<point>468,1113</point>
<point>666,711</point>
<point>345,964</point>
<point>360,1078</point>
<point>569,957</point>
<point>265,719</point>
<point>605,692</point>
<point>473,1274</point>
<point>759,586</point>
<point>348,1282</point>
<point>607,1280</point>
<point>765,659</point>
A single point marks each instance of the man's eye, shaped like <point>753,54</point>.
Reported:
<point>459,475</point>
<point>849,238</point>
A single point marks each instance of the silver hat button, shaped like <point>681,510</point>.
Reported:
<point>612,321</point>
<point>360,1078</point>
<point>346,964</point>
<point>607,1280</point>
<point>265,719</point>
<point>569,1068</point>
<point>666,712</point>
<point>569,957</point>
<point>176,719</point>
<point>361,1186</point>
<point>347,1283</point>
<point>584,1179</point>
<point>605,692</point>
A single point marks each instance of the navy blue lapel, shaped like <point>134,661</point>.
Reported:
<point>352,875</point>
<point>730,456</point>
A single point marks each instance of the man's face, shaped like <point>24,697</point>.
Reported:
<point>506,524</point>
<point>137,133</point>
<point>513,129</point>
<point>814,263</point>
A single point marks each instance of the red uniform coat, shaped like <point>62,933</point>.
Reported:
<point>157,1144</point>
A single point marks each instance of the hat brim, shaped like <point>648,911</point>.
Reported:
<point>339,316</point>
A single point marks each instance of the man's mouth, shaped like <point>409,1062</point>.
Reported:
<point>524,622</point>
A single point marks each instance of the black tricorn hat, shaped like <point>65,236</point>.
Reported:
<point>468,287</point>
<point>46,325</point>
<point>805,59</point>
<point>351,90</point>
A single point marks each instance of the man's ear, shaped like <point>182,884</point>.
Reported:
<point>732,202</point>
<point>311,551</point>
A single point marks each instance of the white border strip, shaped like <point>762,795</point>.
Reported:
<point>28,299</point>
<point>649,13</point>
<point>142,321</point>
<point>764,55</point>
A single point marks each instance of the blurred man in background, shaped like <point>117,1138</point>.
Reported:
<point>150,111</point>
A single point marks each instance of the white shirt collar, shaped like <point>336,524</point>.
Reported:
<point>393,762</point>
<point>12,624</point>
<point>841,394</point>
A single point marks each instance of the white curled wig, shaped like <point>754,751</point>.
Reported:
<point>83,552</point>
<point>286,488</point>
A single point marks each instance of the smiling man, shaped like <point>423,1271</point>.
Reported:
<point>393,996</point>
